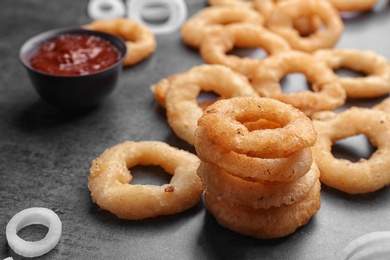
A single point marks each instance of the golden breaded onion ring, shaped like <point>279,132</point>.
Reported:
<point>140,41</point>
<point>284,14</point>
<point>224,123</point>
<point>213,19</point>
<point>226,186</point>
<point>283,169</point>
<point>365,175</point>
<point>376,67</point>
<point>305,25</point>
<point>111,188</point>
<point>182,106</point>
<point>325,93</point>
<point>215,48</point>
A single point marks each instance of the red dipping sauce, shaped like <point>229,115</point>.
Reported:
<point>75,54</point>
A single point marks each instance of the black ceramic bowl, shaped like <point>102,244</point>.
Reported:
<point>75,91</point>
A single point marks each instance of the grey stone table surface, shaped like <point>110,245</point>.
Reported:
<point>45,154</point>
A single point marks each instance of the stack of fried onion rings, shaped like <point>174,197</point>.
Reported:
<point>182,90</point>
<point>140,41</point>
<point>365,175</point>
<point>375,66</point>
<point>256,166</point>
<point>111,188</point>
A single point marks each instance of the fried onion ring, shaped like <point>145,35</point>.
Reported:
<point>326,94</point>
<point>366,175</point>
<point>109,180</point>
<point>375,66</point>
<point>182,107</point>
<point>285,169</point>
<point>215,47</point>
<point>353,5</point>
<point>264,195</point>
<point>304,25</point>
<point>140,41</point>
<point>213,19</point>
<point>224,123</point>
<point>284,14</point>
<point>268,223</point>
<point>160,90</point>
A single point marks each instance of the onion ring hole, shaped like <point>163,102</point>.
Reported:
<point>242,52</point>
<point>206,98</point>
<point>105,9</point>
<point>155,13</point>
<point>149,174</point>
<point>34,232</point>
<point>33,246</point>
<point>345,72</point>
<point>308,33</point>
<point>353,148</point>
<point>294,82</point>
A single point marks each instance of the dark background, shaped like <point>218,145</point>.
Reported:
<point>45,154</point>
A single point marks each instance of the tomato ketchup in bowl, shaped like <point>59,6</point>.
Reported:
<point>73,67</point>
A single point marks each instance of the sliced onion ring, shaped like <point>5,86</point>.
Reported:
<point>177,14</point>
<point>96,9</point>
<point>374,245</point>
<point>31,216</point>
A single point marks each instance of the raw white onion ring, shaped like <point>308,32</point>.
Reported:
<point>96,11</point>
<point>155,13</point>
<point>137,9</point>
<point>373,245</point>
<point>31,216</point>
